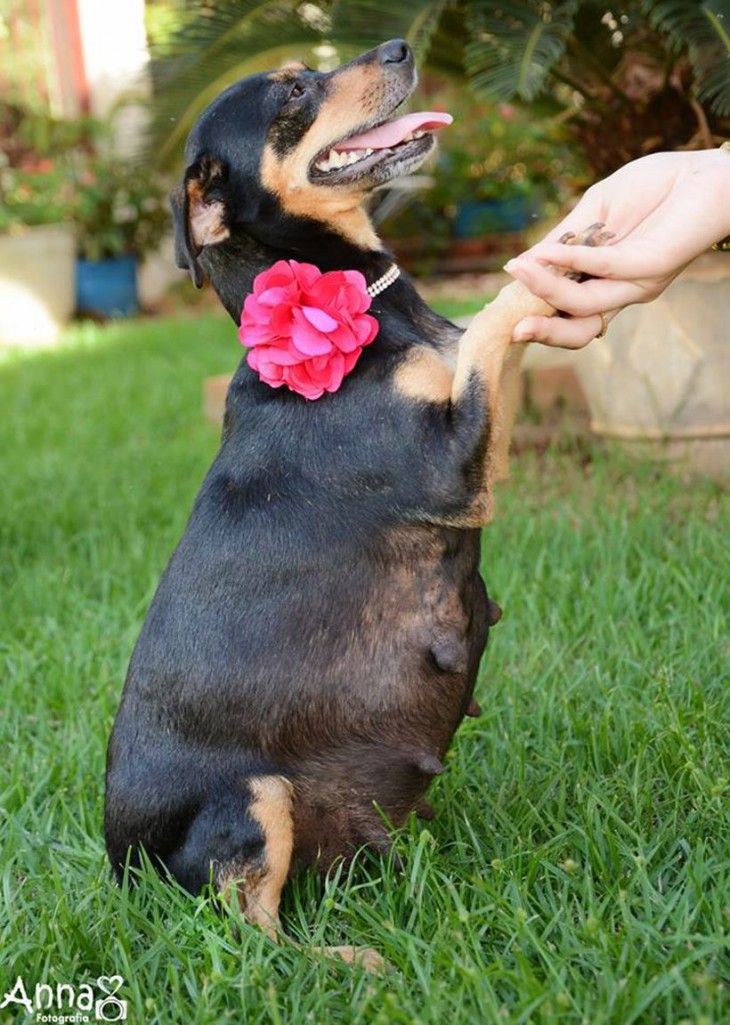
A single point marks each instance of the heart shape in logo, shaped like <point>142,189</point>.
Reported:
<point>109,984</point>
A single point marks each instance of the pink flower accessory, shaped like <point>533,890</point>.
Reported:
<point>305,329</point>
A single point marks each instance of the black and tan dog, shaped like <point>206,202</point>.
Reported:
<point>315,639</point>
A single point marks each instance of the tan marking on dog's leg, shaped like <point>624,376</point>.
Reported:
<point>483,350</point>
<point>423,375</point>
<point>510,394</point>
<point>257,885</point>
<point>486,348</point>
<point>272,810</point>
<point>484,344</point>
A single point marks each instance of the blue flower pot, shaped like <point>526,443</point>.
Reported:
<point>107,288</point>
<point>494,215</point>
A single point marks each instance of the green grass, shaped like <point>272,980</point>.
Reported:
<point>577,868</point>
<point>455,308</point>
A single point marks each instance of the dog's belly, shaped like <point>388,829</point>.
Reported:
<point>350,680</point>
<point>416,665</point>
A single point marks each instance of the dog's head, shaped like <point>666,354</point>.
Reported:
<point>298,148</point>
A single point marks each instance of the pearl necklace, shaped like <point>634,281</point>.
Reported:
<point>383,282</point>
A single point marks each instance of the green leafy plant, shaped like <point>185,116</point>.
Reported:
<point>34,179</point>
<point>629,79</point>
<point>644,76</point>
<point>54,171</point>
<point>497,169</point>
<point>115,207</point>
<point>31,197</point>
<point>498,152</point>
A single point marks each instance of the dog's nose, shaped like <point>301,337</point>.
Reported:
<point>395,51</point>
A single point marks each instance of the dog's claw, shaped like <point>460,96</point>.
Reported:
<point>593,235</point>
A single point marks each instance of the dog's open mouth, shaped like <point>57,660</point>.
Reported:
<point>401,139</point>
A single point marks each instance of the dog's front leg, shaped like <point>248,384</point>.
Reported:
<point>479,396</point>
<point>487,354</point>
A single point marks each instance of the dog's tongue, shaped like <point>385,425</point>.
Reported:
<point>393,132</point>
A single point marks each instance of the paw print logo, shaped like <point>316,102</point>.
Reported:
<point>110,1007</point>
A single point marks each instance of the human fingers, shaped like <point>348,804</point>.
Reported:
<point>580,299</point>
<point>561,332</point>
<point>622,261</point>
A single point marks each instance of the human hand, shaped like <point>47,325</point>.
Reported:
<point>664,210</point>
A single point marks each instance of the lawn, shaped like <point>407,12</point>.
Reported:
<point>577,869</point>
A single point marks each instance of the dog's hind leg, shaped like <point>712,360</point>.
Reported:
<point>256,882</point>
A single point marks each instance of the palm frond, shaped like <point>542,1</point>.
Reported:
<point>361,24</point>
<point>514,45</point>
<point>703,28</point>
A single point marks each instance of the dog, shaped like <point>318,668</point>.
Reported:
<point>314,641</point>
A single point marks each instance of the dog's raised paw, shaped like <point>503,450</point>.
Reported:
<point>593,235</point>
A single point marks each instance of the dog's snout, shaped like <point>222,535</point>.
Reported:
<point>395,51</point>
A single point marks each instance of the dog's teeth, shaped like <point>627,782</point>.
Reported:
<point>419,134</point>
<point>336,159</point>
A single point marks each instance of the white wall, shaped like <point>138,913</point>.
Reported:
<point>116,57</point>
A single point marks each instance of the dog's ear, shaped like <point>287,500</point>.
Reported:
<point>199,214</point>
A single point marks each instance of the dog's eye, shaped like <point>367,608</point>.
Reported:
<point>296,91</point>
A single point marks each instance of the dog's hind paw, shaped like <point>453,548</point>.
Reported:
<point>363,957</point>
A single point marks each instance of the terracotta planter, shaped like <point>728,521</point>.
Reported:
<point>37,269</point>
<point>659,380</point>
